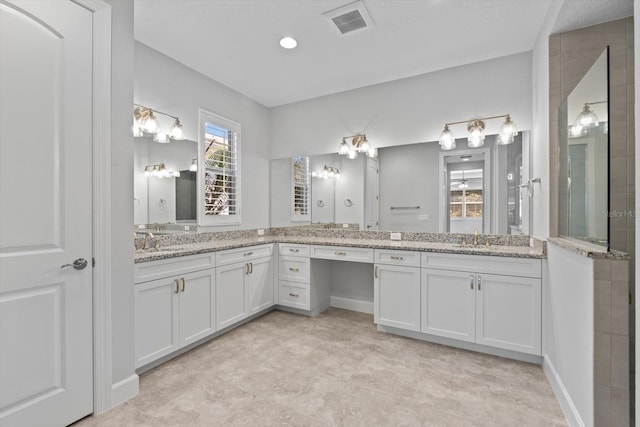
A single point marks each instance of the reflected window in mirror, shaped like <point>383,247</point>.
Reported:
<point>300,189</point>
<point>220,153</point>
<point>584,158</point>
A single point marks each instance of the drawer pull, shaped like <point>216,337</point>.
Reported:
<point>295,270</point>
<point>294,250</point>
<point>479,282</point>
<point>340,253</point>
<point>399,258</point>
<point>247,253</point>
<point>182,284</point>
<point>293,295</point>
<point>375,272</point>
<point>471,281</point>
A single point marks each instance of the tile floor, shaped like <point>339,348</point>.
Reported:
<point>334,370</point>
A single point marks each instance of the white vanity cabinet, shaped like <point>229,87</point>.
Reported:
<point>244,283</point>
<point>396,289</point>
<point>468,298</point>
<point>176,310</point>
<point>294,276</point>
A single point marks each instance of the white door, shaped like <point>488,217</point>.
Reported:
<point>260,292</point>
<point>396,296</point>
<point>448,304</point>
<point>45,213</point>
<point>230,294</point>
<point>509,312</point>
<point>197,306</point>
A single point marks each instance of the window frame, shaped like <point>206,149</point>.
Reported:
<point>234,127</point>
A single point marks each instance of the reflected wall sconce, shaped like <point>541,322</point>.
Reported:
<point>194,165</point>
<point>475,127</point>
<point>327,172</point>
<point>145,121</point>
<point>354,144</point>
<point>159,171</point>
<point>586,119</point>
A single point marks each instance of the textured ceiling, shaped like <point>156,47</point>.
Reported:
<point>235,42</point>
<point>576,14</point>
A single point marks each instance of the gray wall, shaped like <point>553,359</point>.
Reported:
<point>166,85</point>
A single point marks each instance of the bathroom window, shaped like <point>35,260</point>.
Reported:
<point>301,189</point>
<point>220,142</point>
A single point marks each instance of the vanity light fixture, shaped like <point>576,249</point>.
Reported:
<point>327,172</point>
<point>463,183</point>
<point>587,119</point>
<point>475,127</point>
<point>359,144</point>
<point>159,171</point>
<point>145,121</point>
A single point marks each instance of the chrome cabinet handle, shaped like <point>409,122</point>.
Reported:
<point>79,264</point>
<point>295,270</point>
<point>177,282</point>
<point>471,278</point>
<point>250,268</point>
<point>247,253</point>
<point>246,268</point>
<point>340,253</point>
<point>375,272</point>
<point>399,258</point>
<point>294,250</point>
<point>479,282</point>
<point>182,284</point>
<point>293,295</point>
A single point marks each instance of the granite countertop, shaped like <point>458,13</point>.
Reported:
<point>171,251</point>
<point>588,250</point>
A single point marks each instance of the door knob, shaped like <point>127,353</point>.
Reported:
<point>78,264</point>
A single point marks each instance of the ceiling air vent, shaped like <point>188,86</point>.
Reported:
<point>351,17</point>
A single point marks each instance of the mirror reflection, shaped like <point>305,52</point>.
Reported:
<point>414,187</point>
<point>584,142</point>
<point>164,181</point>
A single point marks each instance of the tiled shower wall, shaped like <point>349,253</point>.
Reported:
<point>571,55</point>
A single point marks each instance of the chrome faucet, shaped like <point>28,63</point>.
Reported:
<point>148,238</point>
<point>475,238</point>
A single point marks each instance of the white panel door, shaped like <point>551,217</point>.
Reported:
<point>156,310</point>
<point>197,306</point>
<point>396,294</point>
<point>46,213</point>
<point>509,312</point>
<point>448,304</point>
<point>260,285</point>
<point>231,294</point>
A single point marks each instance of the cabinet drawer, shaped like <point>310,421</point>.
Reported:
<point>294,295</point>
<point>231,256</point>
<point>294,269</point>
<point>394,257</point>
<point>290,249</point>
<point>342,253</point>
<point>152,270</point>
<point>522,267</point>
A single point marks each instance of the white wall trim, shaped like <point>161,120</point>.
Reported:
<point>102,358</point>
<point>562,394</point>
<point>124,390</point>
<point>352,304</point>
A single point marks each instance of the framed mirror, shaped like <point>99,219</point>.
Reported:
<point>584,158</point>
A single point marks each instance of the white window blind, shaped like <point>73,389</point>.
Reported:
<point>301,189</point>
<point>221,193</point>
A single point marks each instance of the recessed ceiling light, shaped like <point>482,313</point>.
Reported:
<point>288,42</point>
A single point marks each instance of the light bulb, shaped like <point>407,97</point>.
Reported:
<point>137,132</point>
<point>176,132</point>
<point>447,140</point>
<point>364,147</point>
<point>587,118</point>
<point>288,42</point>
<point>150,123</point>
<point>576,131</point>
<point>508,132</point>
<point>344,148</point>
<point>194,165</point>
<point>147,171</point>
<point>372,153</point>
<point>476,134</point>
<point>352,155</point>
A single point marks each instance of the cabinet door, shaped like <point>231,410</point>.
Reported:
<point>156,310</point>
<point>509,312</point>
<point>197,306</point>
<point>397,296</point>
<point>260,285</point>
<point>230,294</point>
<point>448,304</point>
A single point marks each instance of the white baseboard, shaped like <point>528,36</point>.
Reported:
<point>562,394</point>
<point>124,390</point>
<point>352,304</point>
